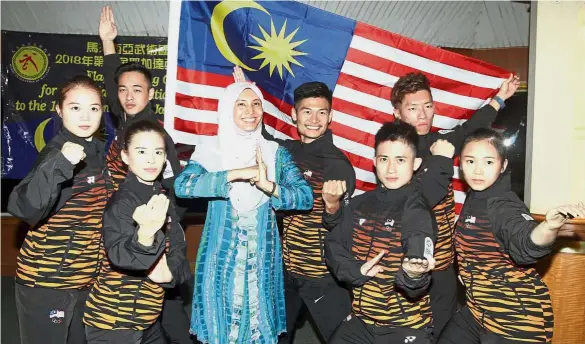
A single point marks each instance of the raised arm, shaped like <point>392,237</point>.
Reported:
<point>438,171</point>
<point>485,116</point>
<point>108,33</point>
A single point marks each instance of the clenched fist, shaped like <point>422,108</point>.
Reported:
<point>443,148</point>
<point>73,152</point>
<point>333,191</point>
<point>150,218</point>
<point>416,267</point>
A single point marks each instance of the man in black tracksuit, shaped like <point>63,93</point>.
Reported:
<point>308,282</point>
<point>413,104</point>
<point>383,242</point>
<point>129,91</point>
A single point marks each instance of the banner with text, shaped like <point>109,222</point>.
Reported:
<point>37,64</point>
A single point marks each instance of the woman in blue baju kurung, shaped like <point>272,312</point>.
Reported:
<point>239,289</point>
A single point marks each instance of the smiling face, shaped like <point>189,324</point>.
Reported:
<point>395,164</point>
<point>248,110</point>
<point>312,116</point>
<point>481,164</point>
<point>81,111</point>
<point>145,156</point>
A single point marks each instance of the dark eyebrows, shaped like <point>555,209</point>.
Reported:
<point>124,86</point>
<point>158,148</point>
<point>318,110</point>
<point>473,157</point>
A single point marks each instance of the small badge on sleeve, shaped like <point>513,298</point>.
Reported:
<point>429,249</point>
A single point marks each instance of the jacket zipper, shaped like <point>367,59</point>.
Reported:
<point>66,252</point>
<point>367,255</point>
<point>134,314</point>
<point>511,285</point>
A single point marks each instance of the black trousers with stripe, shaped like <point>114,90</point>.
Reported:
<point>327,302</point>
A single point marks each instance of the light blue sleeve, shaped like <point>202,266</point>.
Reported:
<point>195,182</point>
<point>294,191</point>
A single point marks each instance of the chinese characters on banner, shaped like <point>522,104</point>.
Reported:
<point>36,65</point>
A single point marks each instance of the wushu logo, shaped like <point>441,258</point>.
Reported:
<point>30,63</point>
<point>277,49</point>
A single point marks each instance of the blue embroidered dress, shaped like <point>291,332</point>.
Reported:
<point>239,288</point>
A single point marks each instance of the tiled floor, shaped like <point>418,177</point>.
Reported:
<point>9,329</point>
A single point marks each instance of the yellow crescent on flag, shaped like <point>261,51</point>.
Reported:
<point>220,12</point>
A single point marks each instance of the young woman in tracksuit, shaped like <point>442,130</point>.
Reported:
<point>497,241</point>
<point>130,89</point>
<point>63,198</point>
<point>145,246</point>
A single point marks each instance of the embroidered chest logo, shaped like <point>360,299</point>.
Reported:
<point>91,180</point>
<point>308,174</point>
<point>469,220</point>
<point>362,221</point>
<point>56,316</point>
<point>389,223</point>
<point>410,339</point>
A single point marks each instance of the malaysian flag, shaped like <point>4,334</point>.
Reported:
<point>281,45</point>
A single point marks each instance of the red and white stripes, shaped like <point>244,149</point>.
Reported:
<point>374,62</point>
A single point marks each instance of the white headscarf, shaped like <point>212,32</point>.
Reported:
<point>236,148</point>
